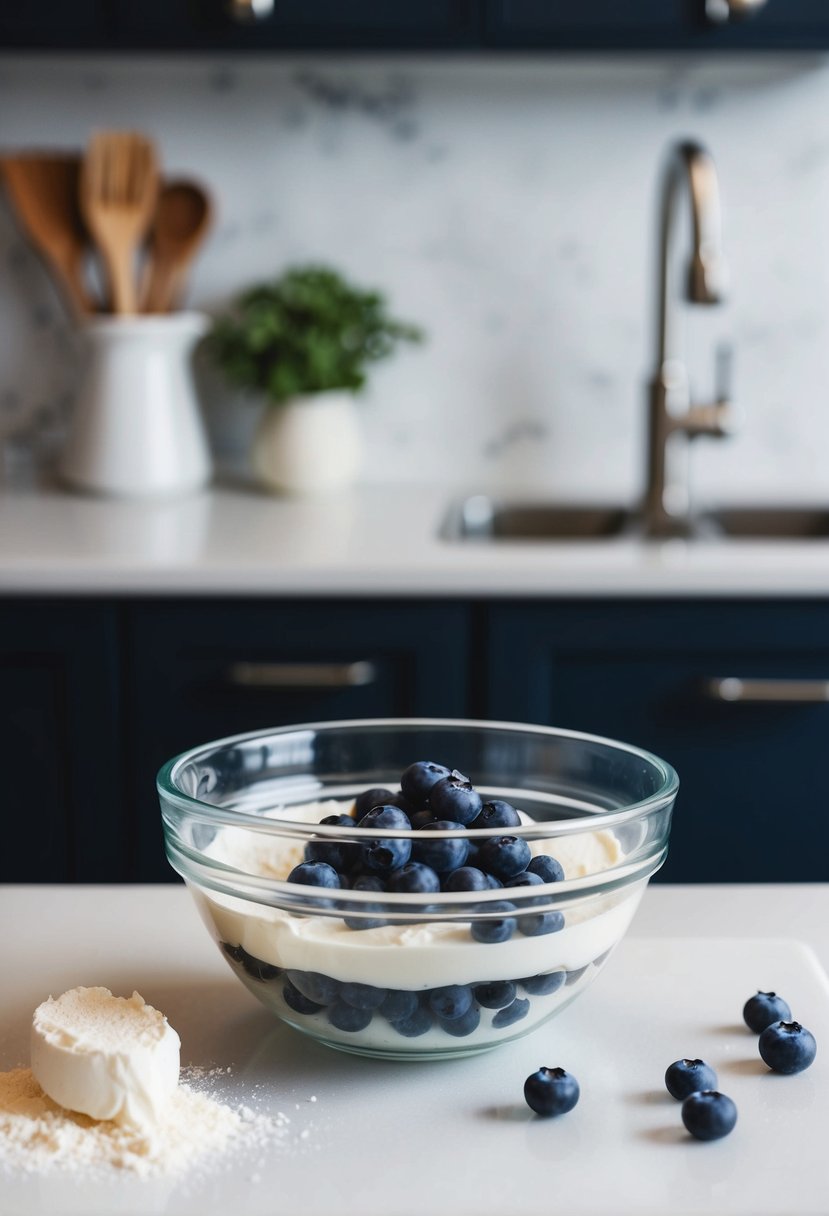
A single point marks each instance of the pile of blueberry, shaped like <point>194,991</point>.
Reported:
<point>785,1046</point>
<point>436,799</point>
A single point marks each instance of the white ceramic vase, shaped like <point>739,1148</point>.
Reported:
<point>308,445</point>
<point>137,430</point>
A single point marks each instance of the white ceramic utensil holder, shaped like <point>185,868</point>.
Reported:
<point>137,430</point>
<point>309,445</point>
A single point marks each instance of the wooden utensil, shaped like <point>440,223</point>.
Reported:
<point>118,191</point>
<point>43,190</point>
<point>182,219</point>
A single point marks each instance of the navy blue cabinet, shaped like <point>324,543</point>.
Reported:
<point>733,695</point>
<point>64,816</point>
<point>369,25</point>
<point>200,670</point>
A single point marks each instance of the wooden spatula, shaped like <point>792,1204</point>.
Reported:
<point>43,191</point>
<point>182,219</point>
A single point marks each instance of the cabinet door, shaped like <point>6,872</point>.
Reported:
<point>754,784</point>
<point>53,24</point>
<point>701,25</point>
<point>64,813</point>
<point>200,671</point>
<point>295,24</point>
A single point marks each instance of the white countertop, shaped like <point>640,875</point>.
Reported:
<point>378,540</point>
<point>454,1138</point>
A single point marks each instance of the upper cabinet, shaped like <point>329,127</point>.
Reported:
<point>394,25</point>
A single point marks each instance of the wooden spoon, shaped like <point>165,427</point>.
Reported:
<point>43,190</point>
<point>182,219</point>
<point>118,191</point>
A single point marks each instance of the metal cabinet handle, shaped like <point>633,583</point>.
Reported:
<point>720,12</point>
<point>248,12</point>
<point>769,692</point>
<point>301,675</point>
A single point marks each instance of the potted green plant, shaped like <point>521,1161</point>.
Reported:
<point>305,341</point>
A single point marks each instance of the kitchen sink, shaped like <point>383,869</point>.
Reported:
<point>481,518</point>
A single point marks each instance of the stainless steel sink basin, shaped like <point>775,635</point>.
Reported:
<point>480,518</point>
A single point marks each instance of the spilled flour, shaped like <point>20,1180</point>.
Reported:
<point>37,1135</point>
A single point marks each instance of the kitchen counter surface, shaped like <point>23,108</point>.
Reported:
<point>379,541</point>
<point>150,938</point>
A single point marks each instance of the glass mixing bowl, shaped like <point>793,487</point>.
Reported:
<point>415,974</point>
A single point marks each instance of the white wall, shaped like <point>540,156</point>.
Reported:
<point>509,207</point>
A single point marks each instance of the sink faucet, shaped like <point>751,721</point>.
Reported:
<point>673,418</point>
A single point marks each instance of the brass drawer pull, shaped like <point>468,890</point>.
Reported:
<point>769,692</point>
<point>302,675</point>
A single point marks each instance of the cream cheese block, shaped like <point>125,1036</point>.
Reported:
<point>106,1056</point>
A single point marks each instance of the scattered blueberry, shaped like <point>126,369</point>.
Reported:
<point>347,1017</point>
<point>708,1115</point>
<point>399,1005</point>
<point>415,1025</point>
<point>453,797</point>
<point>369,799</point>
<point>390,852</point>
<point>685,1077</point>
<point>787,1047</point>
<point>321,989</point>
<point>497,928</point>
<point>466,878</point>
<point>551,1091</point>
<point>315,874</point>
<point>548,869</point>
<point>296,1001</point>
<point>415,878</point>
<point>761,1010</point>
<point>362,996</point>
<point>442,855</point>
<point>451,1001</point>
<point>504,856</point>
<point>512,1013</point>
<point>496,995</point>
<point>536,923</point>
<point>545,984</point>
<point>466,1024</point>
<point>497,814</point>
<point>418,779</point>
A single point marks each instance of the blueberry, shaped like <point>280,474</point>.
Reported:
<point>442,855</point>
<point>574,976</point>
<point>415,879</point>
<point>341,855</point>
<point>685,1077</point>
<point>465,878</point>
<point>234,953</point>
<point>512,1013</point>
<point>708,1115</point>
<point>497,814</point>
<point>369,799</point>
<point>415,1025</point>
<point>492,882</point>
<point>320,989</point>
<point>418,779</point>
<point>761,1010</point>
<point>466,1024</point>
<point>454,798</point>
<point>496,929</point>
<point>386,853</point>
<point>787,1047</point>
<point>315,874</point>
<point>366,882</point>
<point>537,923</point>
<point>258,970</point>
<point>548,869</point>
<point>451,1001</point>
<point>496,995</point>
<point>527,879</point>
<point>399,1005</point>
<point>545,984</point>
<point>551,1091</point>
<point>296,1001</point>
<point>504,856</point>
<point>346,1017</point>
<point>421,819</point>
<point>362,996</point>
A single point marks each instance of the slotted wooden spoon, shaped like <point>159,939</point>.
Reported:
<point>118,191</point>
<point>43,190</point>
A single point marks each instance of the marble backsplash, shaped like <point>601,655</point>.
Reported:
<point>508,206</point>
